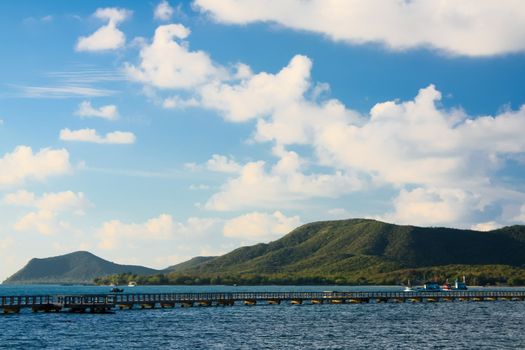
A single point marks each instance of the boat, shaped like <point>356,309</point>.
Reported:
<point>460,285</point>
<point>447,286</point>
<point>116,290</point>
<point>431,287</point>
<point>132,284</point>
<point>409,288</point>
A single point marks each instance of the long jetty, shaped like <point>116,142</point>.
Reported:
<point>102,303</point>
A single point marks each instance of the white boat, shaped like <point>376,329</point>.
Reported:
<point>409,288</point>
<point>460,285</point>
<point>132,284</point>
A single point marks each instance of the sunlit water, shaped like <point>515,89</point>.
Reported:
<point>457,325</point>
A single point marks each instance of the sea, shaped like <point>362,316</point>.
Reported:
<point>455,325</point>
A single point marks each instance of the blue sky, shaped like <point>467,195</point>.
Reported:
<point>152,132</point>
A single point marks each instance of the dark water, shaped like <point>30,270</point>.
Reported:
<point>458,325</point>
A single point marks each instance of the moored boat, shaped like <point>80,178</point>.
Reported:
<point>431,287</point>
<point>460,285</point>
<point>447,286</point>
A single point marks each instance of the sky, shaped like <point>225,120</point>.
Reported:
<point>150,132</point>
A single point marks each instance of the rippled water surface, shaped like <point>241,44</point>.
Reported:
<point>456,325</point>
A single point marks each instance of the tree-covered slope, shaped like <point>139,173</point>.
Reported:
<point>77,267</point>
<point>334,247</point>
<point>190,264</point>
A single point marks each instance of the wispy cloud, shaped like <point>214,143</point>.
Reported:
<point>87,75</point>
<point>167,174</point>
<point>59,91</point>
<point>76,81</point>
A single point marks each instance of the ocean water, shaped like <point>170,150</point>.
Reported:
<point>456,325</point>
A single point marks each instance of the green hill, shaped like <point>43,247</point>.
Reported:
<point>342,252</point>
<point>333,247</point>
<point>77,267</point>
<point>366,251</point>
<point>188,265</point>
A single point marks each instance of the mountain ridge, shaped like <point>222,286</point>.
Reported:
<point>79,267</point>
<point>352,251</point>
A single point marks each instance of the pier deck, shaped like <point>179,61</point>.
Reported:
<point>101,303</point>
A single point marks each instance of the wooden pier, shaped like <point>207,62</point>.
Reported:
<point>102,303</point>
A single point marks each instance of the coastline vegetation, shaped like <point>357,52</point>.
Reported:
<point>481,275</point>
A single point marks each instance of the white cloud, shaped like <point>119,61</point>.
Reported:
<point>222,164</point>
<point>168,63</point>
<point>261,94</point>
<point>468,27</point>
<point>44,222</point>
<point>280,102</point>
<point>163,11</point>
<point>423,206</point>
<point>178,102</point>
<point>59,201</point>
<point>407,145</point>
<point>114,233</point>
<point>90,135</point>
<point>416,142</point>
<point>107,37</point>
<point>23,164</point>
<point>85,109</point>
<point>260,227</point>
<point>61,91</point>
<point>283,186</point>
<point>486,226</point>
<point>50,206</point>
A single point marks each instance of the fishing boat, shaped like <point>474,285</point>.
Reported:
<point>409,288</point>
<point>132,284</point>
<point>447,286</point>
<point>431,287</point>
<point>460,285</point>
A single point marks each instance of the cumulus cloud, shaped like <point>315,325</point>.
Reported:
<point>432,206</point>
<point>107,37</point>
<point>168,63</point>
<point>115,233</point>
<point>163,236</point>
<point>469,27</point>
<point>443,158</point>
<point>112,232</point>
<point>85,109</point>
<point>417,142</point>
<point>261,94</point>
<point>284,185</point>
<point>59,201</point>
<point>260,227</point>
<point>91,135</point>
<point>163,11</point>
<point>222,164</point>
<point>45,220</point>
<point>22,164</point>
<point>449,156</point>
